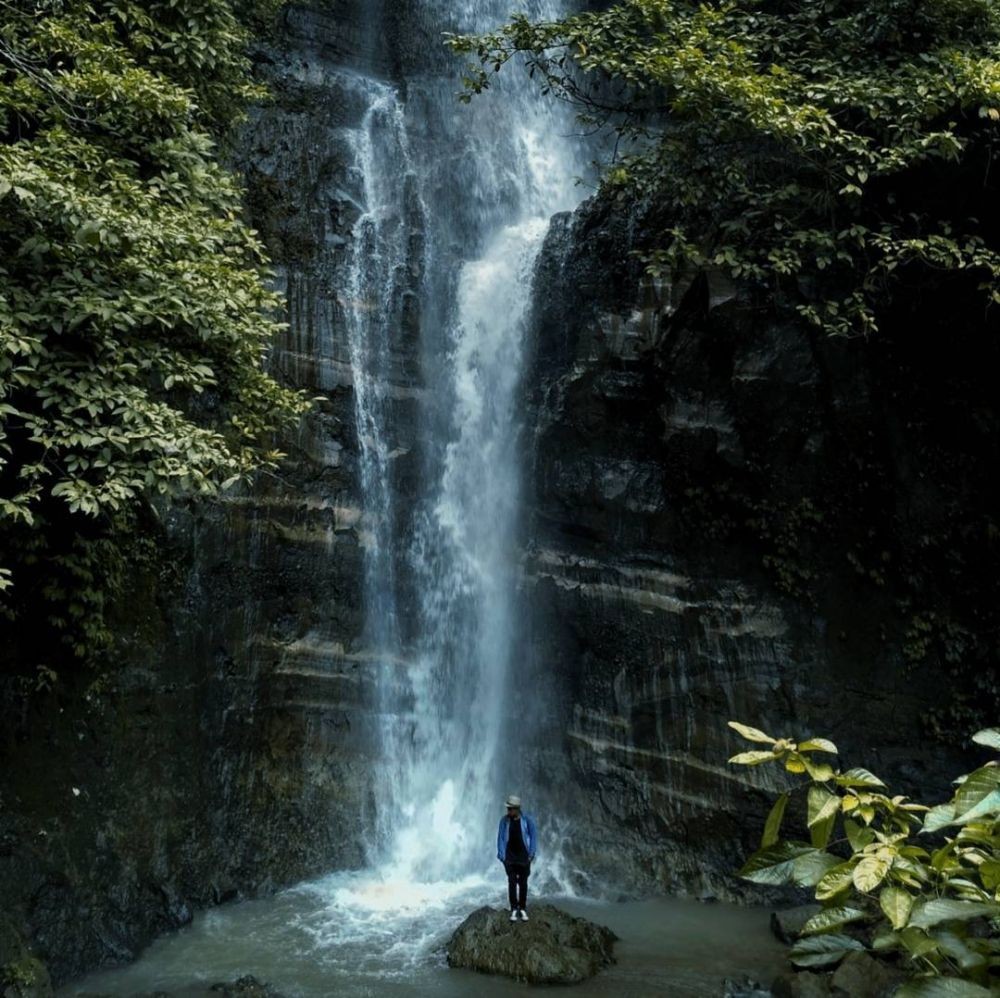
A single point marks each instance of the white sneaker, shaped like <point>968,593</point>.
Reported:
<point>513,914</point>
<point>524,915</point>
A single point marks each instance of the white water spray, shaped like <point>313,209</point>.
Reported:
<point>449,744</point>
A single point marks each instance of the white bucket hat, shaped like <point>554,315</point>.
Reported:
<point>513,801</point>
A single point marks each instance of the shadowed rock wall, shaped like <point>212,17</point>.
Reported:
<point>222,750</point>
<point>734,518</point>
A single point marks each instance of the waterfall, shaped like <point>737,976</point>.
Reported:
<point>375,278</point>
<point>488,181</point>
<point>488,178</point>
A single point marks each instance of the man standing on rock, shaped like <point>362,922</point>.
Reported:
<point>517,843</point>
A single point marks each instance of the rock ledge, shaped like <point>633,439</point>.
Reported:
<point>552,948</point>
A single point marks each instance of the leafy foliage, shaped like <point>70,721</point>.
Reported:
<point>824,152</point>
<point>134,319</point>
<point>871,860</point>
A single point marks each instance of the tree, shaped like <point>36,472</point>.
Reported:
<point>134,316</point>
<point>828,154</point>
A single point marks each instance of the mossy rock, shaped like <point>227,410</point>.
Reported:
<point>552,948</point>
<point>21,974</point>
<point>26,977</point>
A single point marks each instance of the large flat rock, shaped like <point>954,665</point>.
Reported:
<point>552,948</point>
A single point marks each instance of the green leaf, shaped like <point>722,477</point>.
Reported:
<point>917,942</point>
<point>823,951</point>
<point>941,987</point>
<point>858,777</point>
<point>886,940</point>
<point>869,873</point>
<point>989,873</point>
<point>989,806</point>
<point>795,763</point>
<point>773,865</point>
<point>773,824</point>
<point>952,945</point>
<point>834,881</point>
<point>821,805</point>
<point>751,734</point>
<point>897,905</point>
<point>817,745</point>
<point>819,771</point>
<point>975,787</point>
<point>938,817</point>
<point>927,914</point>
<point>810,868</point>
<point>857,835</point>
<point>752,758</point>
<point>831,918</point>
<point>990,737</point>
<point>819,834</point>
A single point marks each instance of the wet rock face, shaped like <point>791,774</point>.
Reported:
<point>223,750</point>
<point>725,523</point>
<point>551,948</point>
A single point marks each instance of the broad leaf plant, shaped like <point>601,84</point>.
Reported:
<point>923,881</point>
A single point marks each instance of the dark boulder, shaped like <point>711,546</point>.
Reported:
<point>862,976</point>
<point>804,984</point>
<point>552,948</point>
<point>245,987</point>
<point>744,987</point>
<point>788,923</point>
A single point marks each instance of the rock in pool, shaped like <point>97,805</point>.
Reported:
<point>552,948</point>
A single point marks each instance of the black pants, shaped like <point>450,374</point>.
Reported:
<point>517,883</point>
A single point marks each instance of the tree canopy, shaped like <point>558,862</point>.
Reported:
<point>134,313</point>
<point>824,152</point>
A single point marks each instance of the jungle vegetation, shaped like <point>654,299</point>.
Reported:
<point>910,883</point>
<point>826,152</point>
<point>135,317</point>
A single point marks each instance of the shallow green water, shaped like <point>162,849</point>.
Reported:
<point>351,937</point>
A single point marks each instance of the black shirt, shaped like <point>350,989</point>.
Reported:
<point>516,851</point>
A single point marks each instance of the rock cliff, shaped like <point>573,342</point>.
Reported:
<point>734,518</point>
<point>222,749</point>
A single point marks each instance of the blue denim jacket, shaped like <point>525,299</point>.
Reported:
<point>528,832</point>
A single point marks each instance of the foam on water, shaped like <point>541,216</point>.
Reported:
<point>394,922</point>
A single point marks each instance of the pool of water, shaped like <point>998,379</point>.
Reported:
<point>356,936</point>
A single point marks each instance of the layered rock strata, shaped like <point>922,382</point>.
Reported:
<point>735,518</point>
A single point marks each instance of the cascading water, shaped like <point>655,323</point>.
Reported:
<point>487,179</point>
<point>449,737</point>
<point>375,276</point>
